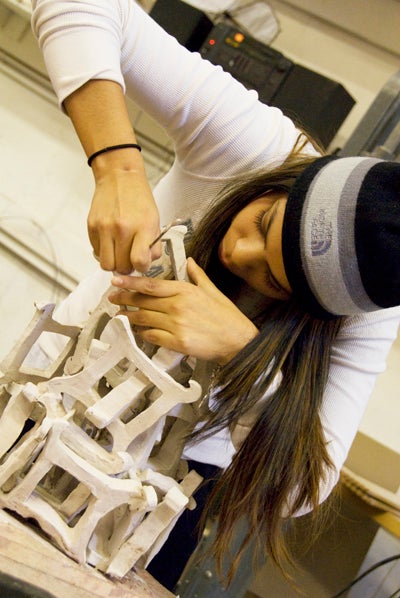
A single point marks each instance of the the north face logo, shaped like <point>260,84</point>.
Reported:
<point>321,233</point>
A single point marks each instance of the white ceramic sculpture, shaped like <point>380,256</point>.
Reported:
<point>90,445</point>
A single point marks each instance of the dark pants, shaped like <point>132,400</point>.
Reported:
<point>168,565</point>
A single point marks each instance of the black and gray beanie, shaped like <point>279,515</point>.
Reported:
<point>341,236</point>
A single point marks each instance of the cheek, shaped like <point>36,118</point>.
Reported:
<point>243,222</point>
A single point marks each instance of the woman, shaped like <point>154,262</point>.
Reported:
<point>278,311</point>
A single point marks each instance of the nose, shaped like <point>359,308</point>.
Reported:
<point>248,253</point>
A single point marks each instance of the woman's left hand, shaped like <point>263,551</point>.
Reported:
<point>193,319</point>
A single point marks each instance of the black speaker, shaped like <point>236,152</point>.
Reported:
<point>252,63</point>
<point>189,25</point>
<point>314,102</point>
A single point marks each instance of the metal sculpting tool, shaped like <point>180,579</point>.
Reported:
<point>166,229</point>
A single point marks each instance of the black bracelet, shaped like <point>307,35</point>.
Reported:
<point>111,148</point>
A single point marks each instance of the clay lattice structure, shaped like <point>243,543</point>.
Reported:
<point>91,444</point>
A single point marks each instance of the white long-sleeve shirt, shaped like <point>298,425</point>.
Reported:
<point>219,130</point>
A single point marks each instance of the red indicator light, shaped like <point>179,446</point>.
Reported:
<point>212,42</point>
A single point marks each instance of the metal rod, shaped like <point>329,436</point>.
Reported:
<point>166,229</point>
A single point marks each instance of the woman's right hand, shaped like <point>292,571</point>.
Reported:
<point>123,219</point>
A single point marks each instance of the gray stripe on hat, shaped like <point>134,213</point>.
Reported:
<point>327,237</point>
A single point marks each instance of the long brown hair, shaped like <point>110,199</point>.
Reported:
<point>283,460</point>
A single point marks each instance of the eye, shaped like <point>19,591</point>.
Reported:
<point>259,220</point>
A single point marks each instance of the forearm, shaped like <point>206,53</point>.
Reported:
<point>99,114</point>
<point>123,219</point>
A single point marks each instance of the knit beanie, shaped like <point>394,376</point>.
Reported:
<point>341,236</point>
